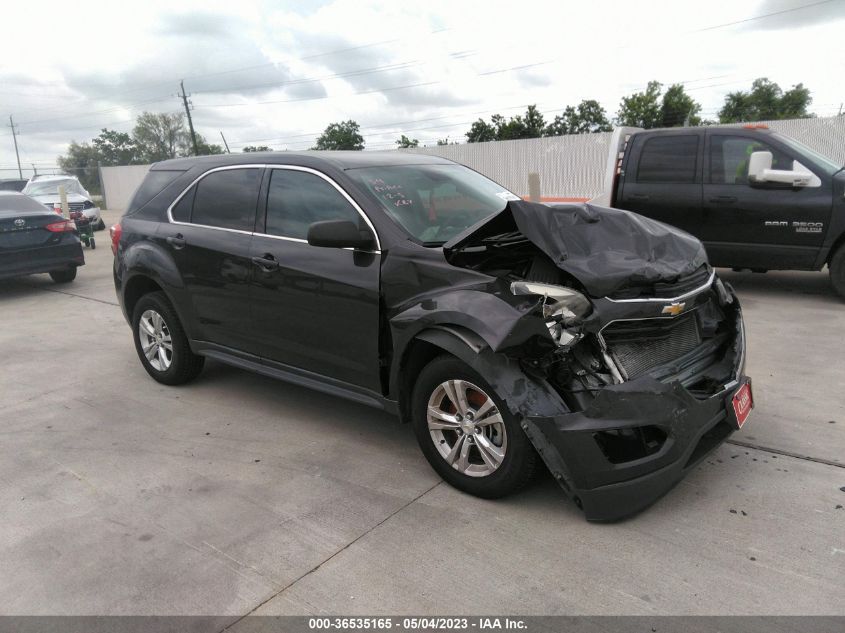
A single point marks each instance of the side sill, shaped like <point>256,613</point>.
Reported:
<point>294,376</point>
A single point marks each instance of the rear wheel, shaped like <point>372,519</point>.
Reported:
<point>466,432</point>
<point>64,276</point>
<point>161,342</point>
<point>101,225</point>
<point>837,271</point>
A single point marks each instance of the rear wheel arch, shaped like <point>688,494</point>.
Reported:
<point>137,287</point>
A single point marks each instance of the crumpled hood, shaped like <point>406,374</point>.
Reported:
<point>47,198</point>
<point>605,249</point>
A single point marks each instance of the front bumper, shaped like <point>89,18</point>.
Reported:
<point>637,439</point>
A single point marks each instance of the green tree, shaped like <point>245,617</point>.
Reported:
<point>678,108</point>
<point>204,148</point>
<point>81,161</point>
<point>531,125</point>
<point>343,135</point>
<point>116,148</point>
<point>587,117</point>
<point>405,142</point>
<point>641,109</point>
<point>160,136</point>
<point>480,132</point>
<point>766,102</point>
<point>256,148</point>
<point>446,141</point>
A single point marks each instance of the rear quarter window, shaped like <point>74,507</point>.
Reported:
<point>152,185</point>
<point>668,159</point>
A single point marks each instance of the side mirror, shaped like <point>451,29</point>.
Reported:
<point>760,171</point>
<point>339,234</point>
<point>758,165</point>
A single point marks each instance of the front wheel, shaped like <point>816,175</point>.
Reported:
<point>161,342</point>
<point>467,433</point>
<point>837,271</point>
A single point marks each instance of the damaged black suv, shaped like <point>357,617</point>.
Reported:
<point>506,332</point>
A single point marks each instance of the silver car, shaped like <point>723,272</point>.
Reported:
<point>45,189</point>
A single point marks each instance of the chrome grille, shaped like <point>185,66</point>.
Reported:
<point>638,346</point>
<point>73,206</point>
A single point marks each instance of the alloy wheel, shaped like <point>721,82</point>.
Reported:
<point>466,428</point>
<point>156,341</point>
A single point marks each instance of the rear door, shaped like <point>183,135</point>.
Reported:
<point>209,236</point>
<point>662,178</point>
<point>765,225</point>
<point>314,308</point>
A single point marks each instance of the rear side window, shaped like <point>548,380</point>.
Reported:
<point>297,199</point>
<point>669,159</point>
<point>226,199</point>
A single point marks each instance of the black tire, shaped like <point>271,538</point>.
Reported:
<point>837,271</point>
<point>92,243</point>
<point>64,276</point>
<point>184,364</point>
<point>100,226</point>
<point>520,460</point>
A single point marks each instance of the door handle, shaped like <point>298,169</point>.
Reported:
<point>266,262</point>
<point>178,242</point>
<point>723,199</point>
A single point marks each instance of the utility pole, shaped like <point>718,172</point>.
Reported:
<point>224,142</point>
<point>190,122</point>
<point>17,155</point>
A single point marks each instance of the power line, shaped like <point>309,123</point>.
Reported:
<point>761,17</point>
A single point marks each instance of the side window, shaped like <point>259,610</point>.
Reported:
<point>226,199</point>
<point>297,199</point>
<point>181,211</point>
<point>669,159</point>
<point>729,156</point>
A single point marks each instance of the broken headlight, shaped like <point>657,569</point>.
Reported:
<point>563,308</point>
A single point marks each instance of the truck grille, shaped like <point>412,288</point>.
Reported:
<point>638,346</point>
<point>72,206</point>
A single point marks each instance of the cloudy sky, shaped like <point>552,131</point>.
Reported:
<point>276,73</point>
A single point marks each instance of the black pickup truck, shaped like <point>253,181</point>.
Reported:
<point>758,199</point>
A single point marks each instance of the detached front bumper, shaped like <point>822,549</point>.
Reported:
<point>637,439</point>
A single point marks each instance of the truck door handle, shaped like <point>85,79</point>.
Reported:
<point>177,242</point>
<point>639,196</point>
<point>266,262</point>
<point>723,199</point>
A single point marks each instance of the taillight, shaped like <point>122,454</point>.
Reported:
<point>61,227</point>
<point>115,232</point>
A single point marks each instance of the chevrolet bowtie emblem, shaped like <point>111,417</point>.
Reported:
<point>675,309</point>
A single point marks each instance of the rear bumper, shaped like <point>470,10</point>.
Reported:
<point>41,260</point>
<point>635,440</point>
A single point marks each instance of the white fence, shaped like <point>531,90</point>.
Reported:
<point>570,167</point>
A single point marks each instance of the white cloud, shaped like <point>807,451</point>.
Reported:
<point>431,67</point>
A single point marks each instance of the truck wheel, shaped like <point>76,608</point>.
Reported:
<point>161,342</point>
<point>64,276</point>
<point>467,433</point>
<point>837,271</point>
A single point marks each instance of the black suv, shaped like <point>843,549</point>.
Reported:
<point>506,332</point>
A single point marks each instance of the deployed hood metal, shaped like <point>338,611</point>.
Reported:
<point>606,250</point>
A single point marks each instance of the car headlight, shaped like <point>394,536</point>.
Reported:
<point>563,308</point>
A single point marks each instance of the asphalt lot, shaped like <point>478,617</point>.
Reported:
<point>238,494</point>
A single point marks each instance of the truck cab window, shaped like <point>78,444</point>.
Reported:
<point>729,156</point>
<point>669,159</point>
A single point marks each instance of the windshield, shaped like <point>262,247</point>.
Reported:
<point>433,203</point>
<point>51,187</point>
<point>823,162</point>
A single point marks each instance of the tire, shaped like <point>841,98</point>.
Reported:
<point>837,271</point>
<point>92,243</point>
<point>176,365</point>
<point>100,226</point>
<point>64,276</point>
<point>504,440</point>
